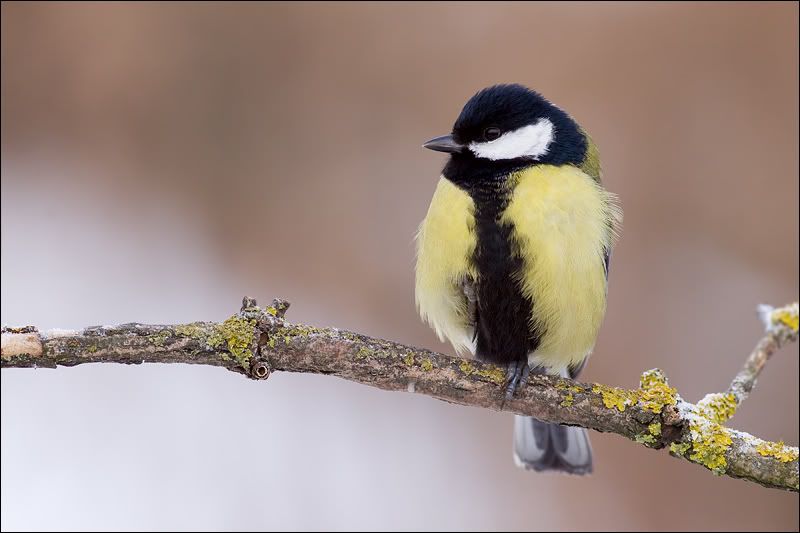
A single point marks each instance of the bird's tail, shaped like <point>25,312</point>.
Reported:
<point>541,446</point>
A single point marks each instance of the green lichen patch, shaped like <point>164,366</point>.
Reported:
<point>160,338</point>
<point>427,365</point>
<point>679,448</point>
<point>271,310</point>
<point>564,385</point>
<point>655,429</point>
<point>570,390</point>
<point>196,330</point>
<point>494,374</point>
<point>380,352</point>
<point>289,333</point>
<point>778,450</point>
<point>409,359</point>
<point>237,335</point>
<point>300,330</point>
<point>650,438</point>
<point>646,439</point>
<point>491,373</point>
<point>362,353</point>
<point>717,407</point>
<point>568,400</point>
<point>348,336</point>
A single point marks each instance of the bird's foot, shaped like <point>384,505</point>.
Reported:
<point>516,377</point>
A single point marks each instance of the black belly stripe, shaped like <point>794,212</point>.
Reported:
<point>502,331</point>
<point>503,313</point>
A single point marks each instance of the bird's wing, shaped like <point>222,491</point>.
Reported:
<point>470,291</point>
<point>574,371</point>
<point>444,289</point>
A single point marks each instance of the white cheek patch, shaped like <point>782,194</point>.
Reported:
<point>529,141</point>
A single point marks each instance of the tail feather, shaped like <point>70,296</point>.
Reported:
<point>541,446</point>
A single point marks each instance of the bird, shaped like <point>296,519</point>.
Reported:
<point>513,254</point>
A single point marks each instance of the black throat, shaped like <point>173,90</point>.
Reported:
<point>503,328</point>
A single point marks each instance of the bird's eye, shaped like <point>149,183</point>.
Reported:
<point>491,133</point>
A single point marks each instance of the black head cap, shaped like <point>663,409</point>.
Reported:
<point>503,109</point>
<point>507,107</point>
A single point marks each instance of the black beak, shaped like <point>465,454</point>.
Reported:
<point>445,143</point>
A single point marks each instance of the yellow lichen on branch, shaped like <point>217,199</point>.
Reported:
<point>717,407</point>
<point>778,450</point>
<point>653,395</point>
<point>495,374</point>
<point>710,442</point>
<point>615,397</point>
<point>237,334</point>
<point>789,316</point>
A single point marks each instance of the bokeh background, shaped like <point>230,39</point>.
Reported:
<point>160,161</point>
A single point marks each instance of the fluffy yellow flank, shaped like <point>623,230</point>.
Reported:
<point>445,244</point>
<point>562,220</point>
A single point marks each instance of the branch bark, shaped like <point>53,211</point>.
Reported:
<point>257,341</point>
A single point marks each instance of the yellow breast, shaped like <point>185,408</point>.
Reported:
<point>445,245</point>
<point>562,220</point>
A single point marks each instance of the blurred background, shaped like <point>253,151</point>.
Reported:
<point>160,161</point>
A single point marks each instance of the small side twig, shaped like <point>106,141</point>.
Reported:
<point>781,328</point>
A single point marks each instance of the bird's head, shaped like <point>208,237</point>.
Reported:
<point>506,126</point>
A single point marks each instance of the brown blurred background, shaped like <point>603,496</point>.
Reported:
<point>160,161</point>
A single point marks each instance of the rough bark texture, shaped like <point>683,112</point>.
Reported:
<point>256,342</point>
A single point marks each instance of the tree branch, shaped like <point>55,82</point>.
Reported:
<point>781,327</point>
<point>256,342</point>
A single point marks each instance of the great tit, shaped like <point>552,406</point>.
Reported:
<point>513,254</point>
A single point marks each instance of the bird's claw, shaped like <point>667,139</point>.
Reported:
<point>516,377</point>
